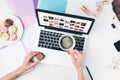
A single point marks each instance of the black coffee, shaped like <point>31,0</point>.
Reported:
<point>66,42</point>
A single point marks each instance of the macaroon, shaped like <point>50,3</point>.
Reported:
<point>1,25</point>
<point>4,29</point>
<point>40,56</point>
<point>5,36</point>
<point>12,29</point>
<point>8,22</point>
<point>1,33</point>
<point>13,37</point>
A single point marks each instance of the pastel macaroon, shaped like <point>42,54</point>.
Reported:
<point>5,36</point>
<point>40,56</point>
<point>1,25</point>
<point>8,22</point>
<point>4,29</point>
<point>12,29</point>
<point>1,33</point>
<point>13,37</point>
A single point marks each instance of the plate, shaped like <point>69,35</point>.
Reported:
<point>18,24</point>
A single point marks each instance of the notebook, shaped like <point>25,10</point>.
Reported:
<point>54,5</point>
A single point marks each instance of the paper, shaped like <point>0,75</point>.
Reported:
<point>11,58</point>
<point>23,9</point>
<point>35,3</point>
<point>86,74</point>
<point>53,5</point>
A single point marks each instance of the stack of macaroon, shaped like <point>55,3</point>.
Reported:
<point>8,31</point>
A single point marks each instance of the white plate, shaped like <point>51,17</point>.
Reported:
<point>18,24</point>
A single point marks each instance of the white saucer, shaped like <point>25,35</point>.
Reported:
<point>18,24</point>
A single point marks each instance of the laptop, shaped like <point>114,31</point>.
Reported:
<point>52,25</point>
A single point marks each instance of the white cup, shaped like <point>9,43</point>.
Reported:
<point>67,42</point>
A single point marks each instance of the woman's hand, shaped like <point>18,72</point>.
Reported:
<point>77,57</point>
<point>28,63</point>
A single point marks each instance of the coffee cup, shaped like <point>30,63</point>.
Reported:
<point>67,42</point>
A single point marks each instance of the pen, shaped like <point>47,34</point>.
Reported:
<point>89,73</point>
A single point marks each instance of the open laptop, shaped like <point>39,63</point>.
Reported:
<point>52,25</point>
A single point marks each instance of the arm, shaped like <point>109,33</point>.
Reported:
<point>25,66</point>
<point>80,74</point>
<point>76,57</point>
<point>13,75</point>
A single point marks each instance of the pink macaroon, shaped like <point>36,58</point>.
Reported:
<point>13,37</point>
<point>4,29</point>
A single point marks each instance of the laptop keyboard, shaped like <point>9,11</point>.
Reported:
<point>50,40</point>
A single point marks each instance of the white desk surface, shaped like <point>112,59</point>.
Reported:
<point>99,53</point>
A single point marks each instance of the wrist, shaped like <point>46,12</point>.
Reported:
<point>21,69</point>
<point>79,69</point>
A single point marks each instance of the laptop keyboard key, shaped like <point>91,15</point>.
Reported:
<point>50,40</point>
<point>56,48</point>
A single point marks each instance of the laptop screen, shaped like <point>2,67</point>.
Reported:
<point>64,22</point>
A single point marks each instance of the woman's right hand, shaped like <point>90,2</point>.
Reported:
<point>28,64</point>
<point>77,58</point>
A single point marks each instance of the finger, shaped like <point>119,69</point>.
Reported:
<point>31,55</point>
<point>72,56</point>
<point>68,52</point>
<point>28,54</point>
<point>36,52</point>
<point>78,53</point>
<point>35,63</point>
